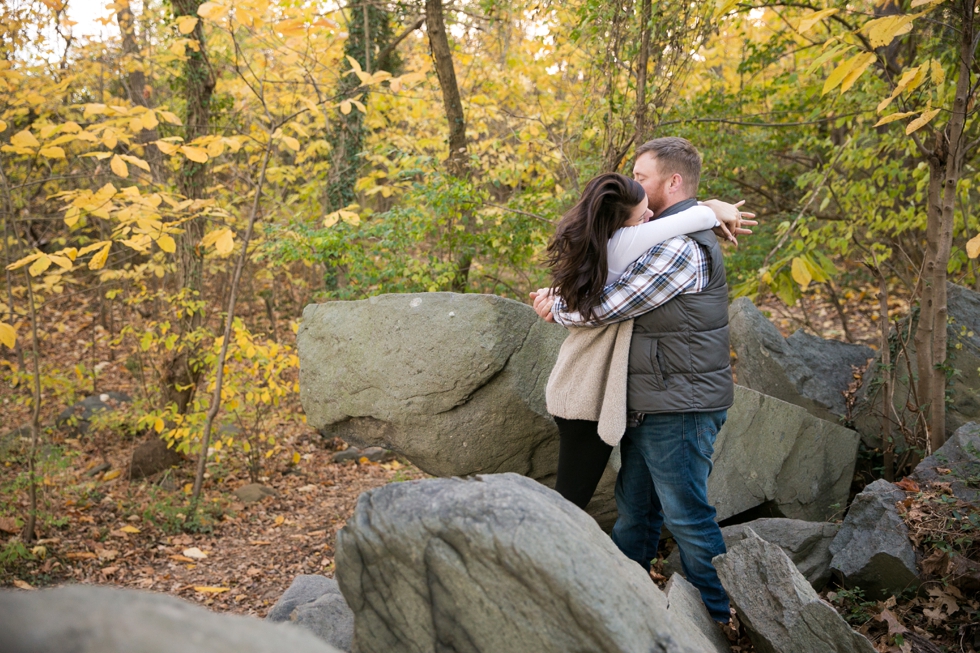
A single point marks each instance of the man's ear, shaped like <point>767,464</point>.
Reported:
<point>676,183</point>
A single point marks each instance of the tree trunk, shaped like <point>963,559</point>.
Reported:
<point>181,375</point>
<point>457,165</point>
<point>641,74</point>
<point>945,170</point>
<point>136,88</point>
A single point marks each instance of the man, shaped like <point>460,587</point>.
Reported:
<point>679,384</point>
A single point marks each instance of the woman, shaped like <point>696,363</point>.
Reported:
<point>594,244</point>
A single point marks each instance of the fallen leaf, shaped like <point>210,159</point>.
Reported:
<point>943,470</point>
<point>106,554</point>
<point>112,475</point>
<point>936,563</point>
<point>908,484</point>
<point>8,525</point>
<point>279,520</point>
<point>195,553</point>
<point>260,543</point>
<point>21,584</point>
<point>80,555</point>
<point>108,571</point>
<point>129,529</point>
<point>180,558</point>
<point>894,627</point>
<point>211,590</point>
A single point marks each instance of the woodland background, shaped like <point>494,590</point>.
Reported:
<point>172,196</point>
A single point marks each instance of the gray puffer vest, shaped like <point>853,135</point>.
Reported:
<point>679,358</point>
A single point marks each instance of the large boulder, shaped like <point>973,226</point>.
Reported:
<point>773,454</point>
<point>957,462</point>
<point>455,383</point>
<point>806,543</point>
<point>803,369</point>
<point>90,619</point>
<point>495,563</point>
<point>872,550</point>
<point>963,356</point>
<point>777,606</point>
<point>316,603</point>
<point>685,605</point>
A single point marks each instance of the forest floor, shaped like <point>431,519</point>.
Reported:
<point>105,529</point>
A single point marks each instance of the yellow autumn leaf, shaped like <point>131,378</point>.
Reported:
<point>864,60</point>
<point>93,109</point>
<point>40,265</point>
<point>810,20</point>
<point>838,75</point>
<point>114,474</point>
<point>100,257</point>
<point>212,10</point>
<point>186,24</point>
<point>24,139</point>
<point>723,7</point>
<point>225,243</point>
<point>8,335</point>
<point>973,247</point>
<point>360,107</point>
<point>3,126</point>
<point>119,166</point>
<point>893,117</point>
<point>149,120</point>
<point>935,69</point>
<point>801,273</point>
<point>132,530</point>
<point>136,161</point>
<point>52,152</point>
<point>158,425</point>
<point>166,243</point>
<point>179,47</point>
<point>61,261</point>
<point>291,143</point>
<point>170,117</point>
<point>882,31</point>
<point>345,107</point>
<point>921,121</point>
<point>210,590</point>
<point>166,148</point>
<point>195,154</point>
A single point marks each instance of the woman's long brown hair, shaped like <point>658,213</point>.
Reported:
<point>577,253</point>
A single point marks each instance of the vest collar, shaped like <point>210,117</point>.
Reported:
<point>683,205</point>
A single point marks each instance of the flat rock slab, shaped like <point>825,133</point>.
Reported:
<point>803,369</point>
<point>776,604</point>
<point>872,550</point>
<point>76,418</point>
<point>254,492</point>
<point>90,619</point>
<point>806,543</point>
<point>959,462</point>
<point>316,603</point>
<point>495,563</point>
<point>772,452</point>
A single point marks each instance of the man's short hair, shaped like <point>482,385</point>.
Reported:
<point>676,155</point>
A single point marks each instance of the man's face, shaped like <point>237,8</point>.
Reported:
<point>646,171</point>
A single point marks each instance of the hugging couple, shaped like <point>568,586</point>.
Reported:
<point>639,281</point>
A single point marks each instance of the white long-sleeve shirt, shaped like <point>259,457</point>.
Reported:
<point>629,243</point>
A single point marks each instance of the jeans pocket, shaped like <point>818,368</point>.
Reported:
<point>705,438</point>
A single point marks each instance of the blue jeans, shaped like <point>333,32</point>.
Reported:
<point>664,479</point>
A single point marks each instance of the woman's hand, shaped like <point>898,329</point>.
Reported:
<point>543,301</point>
<point>733,221</point>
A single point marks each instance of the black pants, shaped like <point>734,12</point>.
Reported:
<point>582,457</point>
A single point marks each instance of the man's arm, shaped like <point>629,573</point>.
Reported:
<point>665,271</point>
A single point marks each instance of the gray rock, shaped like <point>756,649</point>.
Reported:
<point>373,454</point>
<point>684,604</point>
<point>90,619</point>
<point>777,606</point>
<point>315,602</point>
<point>872,550</point>
<point>806,543</point>
<point>963,387</point>
<point>350,453</point>
<point>254,492</point>
<point>961,456</point>
<point>493,563</point>
<point>75,419</point>
<point>803,369</point>
<point>774,453</point>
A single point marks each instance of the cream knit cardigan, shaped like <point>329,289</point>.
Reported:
<point>589,379</point>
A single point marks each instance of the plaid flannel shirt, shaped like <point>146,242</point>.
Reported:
<point>674,267</point>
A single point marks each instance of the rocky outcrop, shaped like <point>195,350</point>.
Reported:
<point>872,550</point>
<point>963,387</point>
<point>803,369</point>
<point>806,543</point>
<point>76,418</point>
<point>455,383</point>
<point>957,462</point>
<point>774,453</point>
<point>494,563</point>
<point>777,606</point>
<point>90,619</point>
<point>684,604</point>
<point>315,603</point>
